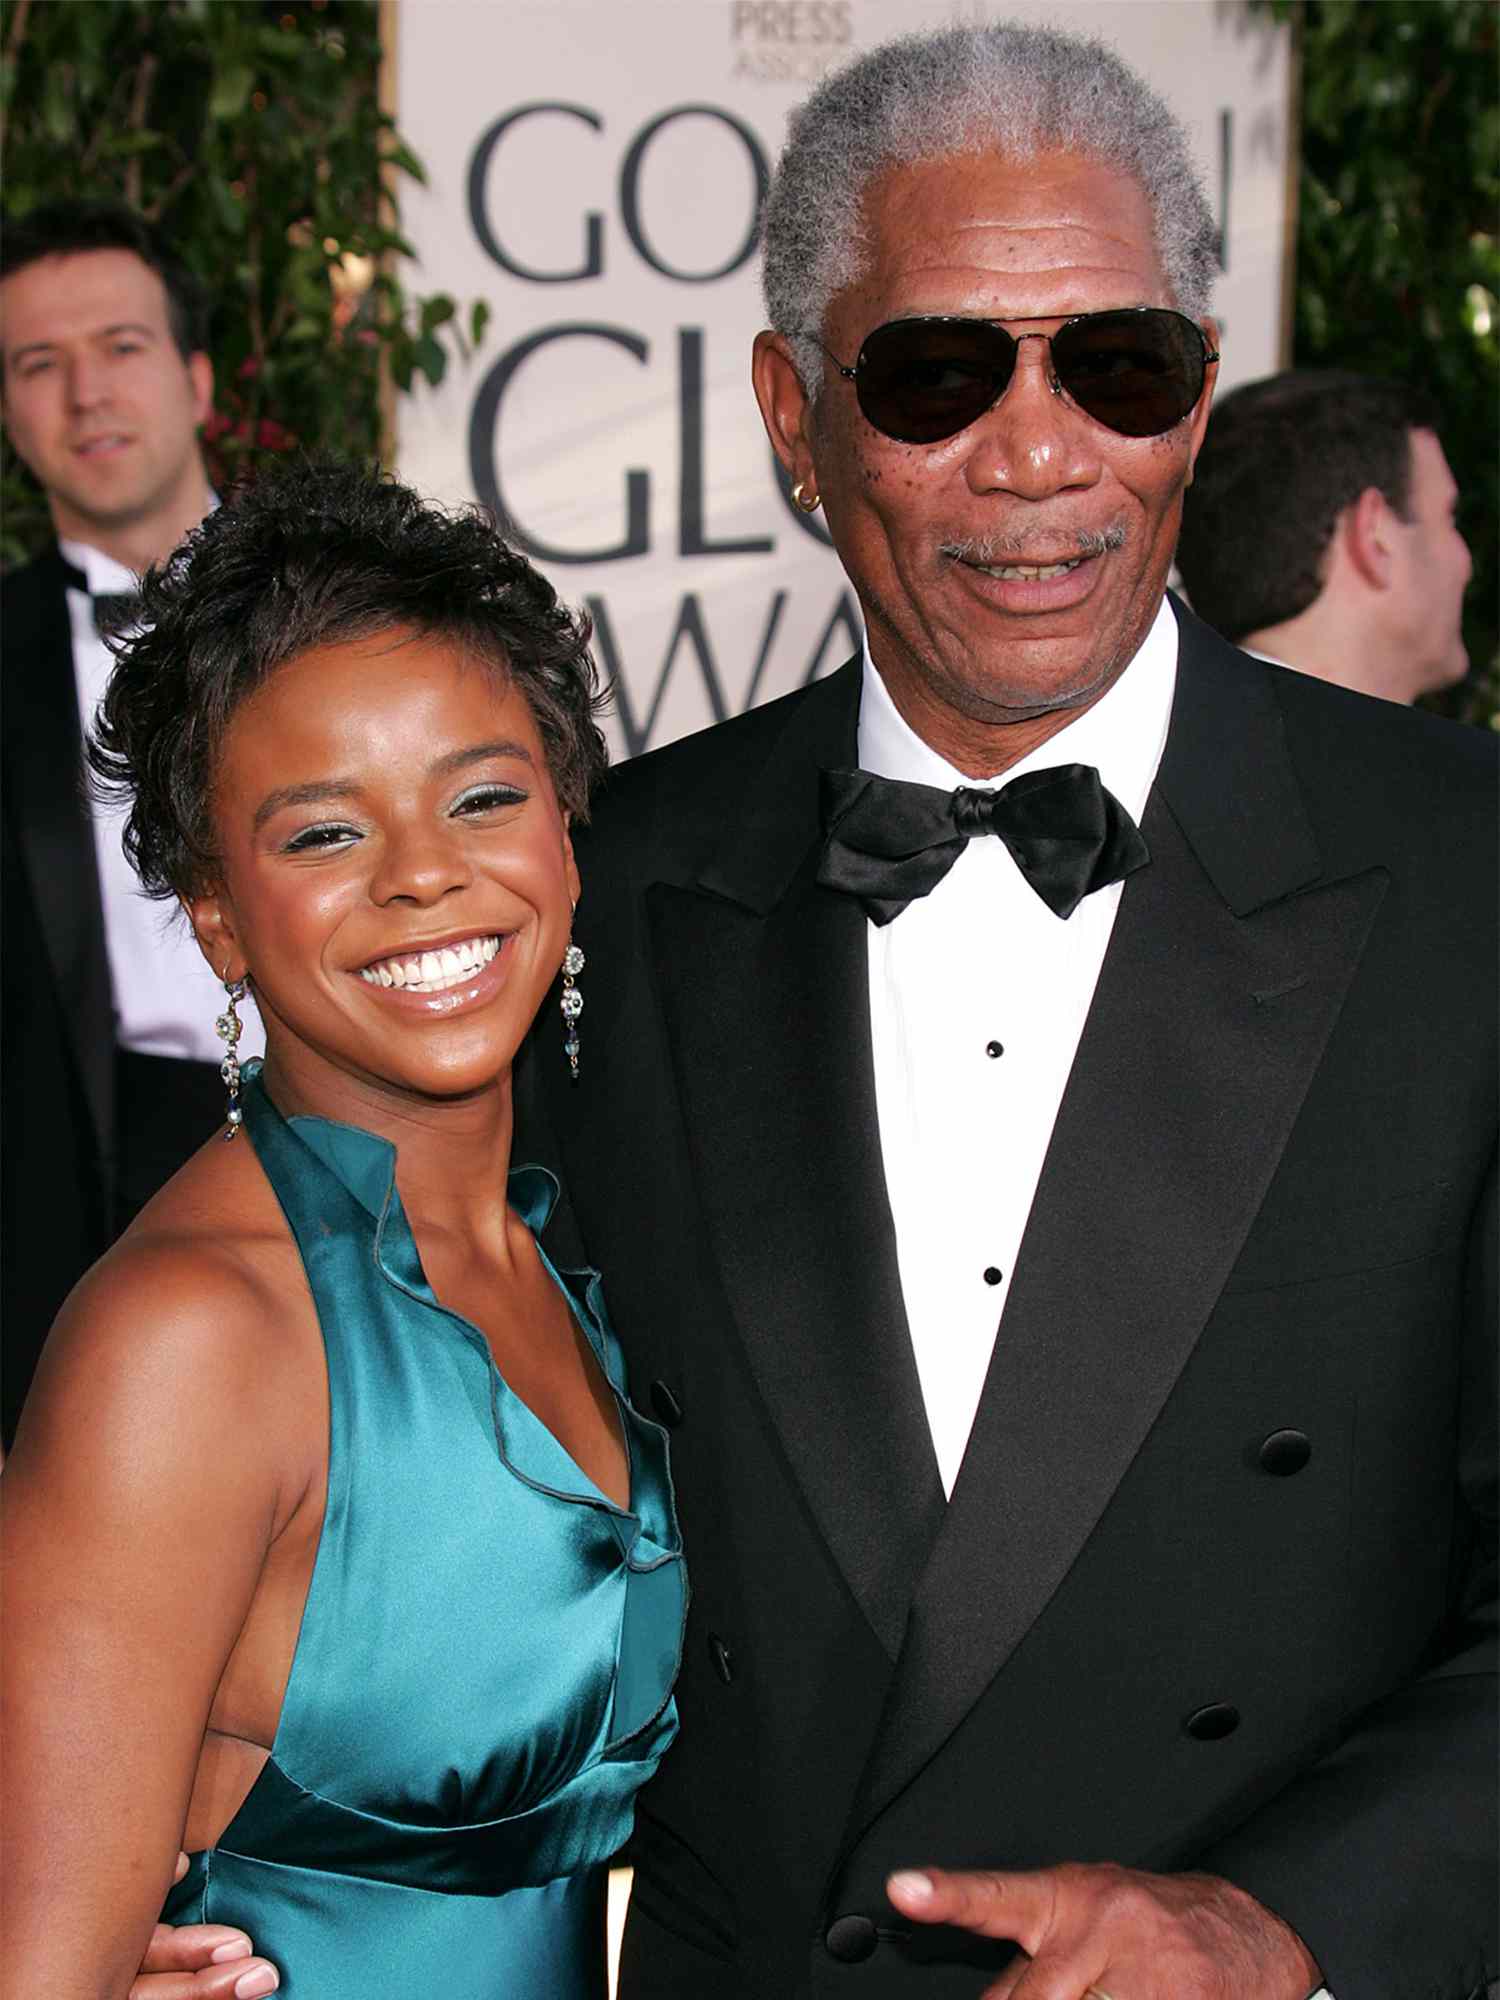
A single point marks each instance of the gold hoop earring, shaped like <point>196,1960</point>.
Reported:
<point>803,501</point>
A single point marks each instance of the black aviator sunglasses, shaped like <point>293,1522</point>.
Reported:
<point>1138,371</point>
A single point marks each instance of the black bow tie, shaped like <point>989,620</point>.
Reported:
<point>114,610</point>
<point>889,842</point>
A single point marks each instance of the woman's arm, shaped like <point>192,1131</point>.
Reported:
<point>144,1490</point>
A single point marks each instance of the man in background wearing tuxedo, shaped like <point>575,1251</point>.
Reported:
<point>110,1056</point>
<point>1055,1220</point>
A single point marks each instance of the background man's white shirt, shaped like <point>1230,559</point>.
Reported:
<point>166,999</point>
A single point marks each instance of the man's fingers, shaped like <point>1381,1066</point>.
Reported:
<point>993,1902</point>
<point>186,1947</point>
<point>1004,1987</point>
<point>1050,1978</point>
<point>219,1982</point>
<point>202,1962</point>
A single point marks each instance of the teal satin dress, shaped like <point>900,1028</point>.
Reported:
<point>483,1677</point>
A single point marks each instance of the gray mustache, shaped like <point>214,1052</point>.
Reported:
<point>992,550</point>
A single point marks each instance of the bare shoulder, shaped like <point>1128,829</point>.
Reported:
<point>198,1315</point>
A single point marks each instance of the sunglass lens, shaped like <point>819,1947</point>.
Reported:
<point>919,380</point>
<point>1138,372</point>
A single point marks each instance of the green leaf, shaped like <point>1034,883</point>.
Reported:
<point>57,111</point>
<point>130,143</point>
<point>479,319</point>
<point>402,351</point>
<point>229,213</point>
<point>437,311</point>
<point>231,91</point>
<point>401,155</point>
<point>431,359</point>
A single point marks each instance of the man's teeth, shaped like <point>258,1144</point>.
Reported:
<point>1030,572</point>
<point>433,971</point>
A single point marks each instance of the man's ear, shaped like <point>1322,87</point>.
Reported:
<point>212,918</point>
<point>1368,533</point>
<point>784,408</point>
<point>1198,422</point>
<point>201,374</point>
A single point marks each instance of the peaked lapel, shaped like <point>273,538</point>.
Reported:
<point>1224,976</point>
<point>46,806</point>
<point>763,984</point>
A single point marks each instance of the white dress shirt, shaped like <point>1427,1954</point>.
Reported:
<point>165,997</point>
<point>978,996</point>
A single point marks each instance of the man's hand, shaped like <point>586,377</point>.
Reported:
<point>1099,1932</point>
<point>201,1962</point>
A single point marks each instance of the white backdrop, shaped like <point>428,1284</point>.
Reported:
<point>594,172</point>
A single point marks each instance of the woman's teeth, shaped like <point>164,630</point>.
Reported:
<point>433,971</point>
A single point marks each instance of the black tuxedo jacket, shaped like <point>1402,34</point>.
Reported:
<point>1215,1586</point>
<point>57,1022</point>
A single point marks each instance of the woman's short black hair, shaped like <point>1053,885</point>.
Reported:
<point>309,554</point>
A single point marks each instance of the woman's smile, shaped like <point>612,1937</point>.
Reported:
<point>440,978</point>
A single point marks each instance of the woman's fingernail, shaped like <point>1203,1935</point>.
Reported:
<point>262,1980</point>
<point>234,1947</point>
<point>914,1886</point>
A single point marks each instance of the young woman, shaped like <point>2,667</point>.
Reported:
<point>335,1552</point>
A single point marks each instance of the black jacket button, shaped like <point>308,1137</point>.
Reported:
<point>666,1405</point>
<point>1219,1718</point>
<point>722,1658</point>
<point>1283,1453</point>
<point>849,1939</point>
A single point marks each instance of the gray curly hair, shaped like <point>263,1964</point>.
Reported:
<point>1016,89</point>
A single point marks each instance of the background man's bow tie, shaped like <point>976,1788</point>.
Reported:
<point>889,842</point>
<point>113,610</point>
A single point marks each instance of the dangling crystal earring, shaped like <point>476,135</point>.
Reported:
<point>571,1004</point>
<point>228,1027</point>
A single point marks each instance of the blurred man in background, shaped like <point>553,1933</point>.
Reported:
<point>110,1056</point>
<point>1319,532</point>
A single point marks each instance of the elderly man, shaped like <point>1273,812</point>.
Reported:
<point>1320,532</point>
<point>1054,1242</point>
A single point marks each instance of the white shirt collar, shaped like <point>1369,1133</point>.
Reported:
<point>1122,735</point>
<point>105,576</point>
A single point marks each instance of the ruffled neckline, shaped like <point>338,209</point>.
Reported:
<point>363,1165</point>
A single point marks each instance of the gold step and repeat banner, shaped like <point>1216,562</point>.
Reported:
<point>595,169</point>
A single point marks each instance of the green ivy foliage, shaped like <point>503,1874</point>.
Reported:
<point>1398,264</point>
<point>253,133</point>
